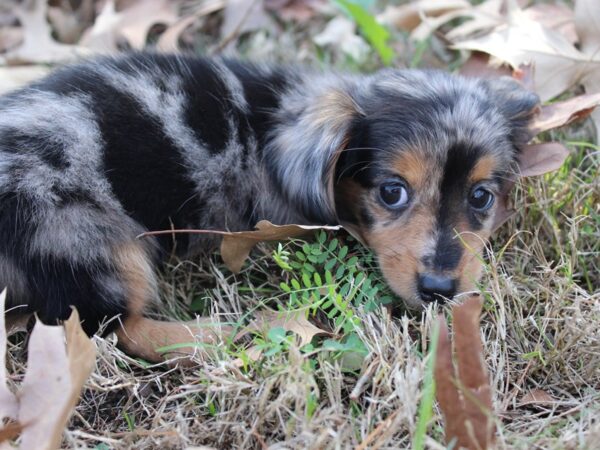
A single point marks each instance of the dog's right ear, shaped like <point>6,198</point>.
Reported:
<point>517,104</point>
<point>305,145</point>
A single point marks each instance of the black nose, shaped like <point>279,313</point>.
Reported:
<point>434,287</point>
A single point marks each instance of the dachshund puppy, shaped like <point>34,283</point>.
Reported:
<point>93,155</point>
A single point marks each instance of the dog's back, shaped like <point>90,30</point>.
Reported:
<point>99,152</point>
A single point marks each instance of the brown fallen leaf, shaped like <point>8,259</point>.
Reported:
<point>130,24</point>
<point>265,320</point>
<point>236,245</point>
<point>559,65</point>
<point>478,65</point>
<point>410,15</point>
<point>538,159</point>
<point>464,393</point>
<point>52,383</point>
<point>295,10</point>
<point>565,112</point>
<point>296,322</point>
<point>537,397</point>
<point>558,17</point>
<point>242,16</point>
<point>10,432</point>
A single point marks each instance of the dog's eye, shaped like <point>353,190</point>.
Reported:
<point>393,193</point>
<point>481,199</point>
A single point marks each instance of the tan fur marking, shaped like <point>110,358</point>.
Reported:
<point>141,336</point>
<point>413,168</point>
<point>400,248</point>
<point>334,109</point>
<point>483,170</point>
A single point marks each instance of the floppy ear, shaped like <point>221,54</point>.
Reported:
<point>520,106</point>
<point>306,144</point>
<point>517,104</point>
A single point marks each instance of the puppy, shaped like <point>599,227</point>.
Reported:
<point>409,161</point>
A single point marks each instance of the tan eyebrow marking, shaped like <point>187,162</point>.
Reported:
<point>484,169</point>
<point>413,168</point>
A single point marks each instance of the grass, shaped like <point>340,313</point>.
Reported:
<point>368,385</point>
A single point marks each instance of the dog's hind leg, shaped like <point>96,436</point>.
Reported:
<point>151,339</point>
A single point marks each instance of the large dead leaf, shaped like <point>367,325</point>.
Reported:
<point>38,46</point>
<point>538,159</point>
<point>559,65</point>
<point>565,112</point>
<point>52,384</point>
<point>464,392</point>
<point>534,38</point>
<point>537,397</point>
<point>130,24</point>
<point>236,245</point>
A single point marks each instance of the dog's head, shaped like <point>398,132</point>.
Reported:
<point>413,163</point>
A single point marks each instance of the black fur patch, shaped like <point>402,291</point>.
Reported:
<point>146,171</point>
<point>461,160</point>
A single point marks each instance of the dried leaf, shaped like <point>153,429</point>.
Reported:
<point>295,10</point>
<point>446,393</point>
<point>410,15</point>
<point>169,39</point>
<point>538,159</point>
<point>537,397</point>
<point>38,45</point>
<point>53,380</point>
<point>563,113</point>
<point>242,16</point>
<point>558,17</point>
<point>478,65</point>
<point>464,394</point>
<point>10,37</point>
<point>131,24</point>
<point>587,23</point>
<point>236,245</point>
<point>296,322</point>
<point>559,65</point>
<point>252,354</point>
<point>9,432</point>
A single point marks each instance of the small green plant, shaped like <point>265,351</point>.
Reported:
<point>325,275</point>
<point>331,278</point>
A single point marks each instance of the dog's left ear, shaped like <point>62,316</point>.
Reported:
<point>517,104</point>
<point>311,134</point>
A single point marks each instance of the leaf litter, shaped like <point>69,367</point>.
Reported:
<point>60,359</point>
